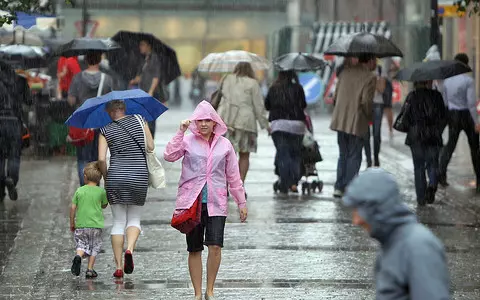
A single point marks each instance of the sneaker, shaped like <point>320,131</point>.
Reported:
<point>91,274</point>
<point>128,262</point>
<point>12,190</point>
<point>209,297</point>
<point>118,273</point>
<point>338,194</point>
<point>430,194</point>
<point>76,265</point>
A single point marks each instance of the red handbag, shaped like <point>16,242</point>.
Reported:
<point>185,220</point>
<point>80,137</point>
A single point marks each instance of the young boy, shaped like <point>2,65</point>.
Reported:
<point>86,219</point>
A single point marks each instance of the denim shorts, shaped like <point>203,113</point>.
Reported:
<point>209,232</point>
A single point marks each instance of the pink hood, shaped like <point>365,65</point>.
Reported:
<point>214,165</point>
<point>205,111</point>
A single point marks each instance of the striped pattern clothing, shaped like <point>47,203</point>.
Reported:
<point>127,177</point>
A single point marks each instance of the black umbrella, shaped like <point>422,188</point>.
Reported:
<point>81,46</point>
<point>23,57</point>
<point>363,43</point>
<point>432,70</point>
<point>127,61</point>
<point>298,62</point>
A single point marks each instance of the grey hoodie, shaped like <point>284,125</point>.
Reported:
<point>411,263</point>
<point>85,85</point>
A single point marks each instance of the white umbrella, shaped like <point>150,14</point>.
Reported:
<point>226,61</point>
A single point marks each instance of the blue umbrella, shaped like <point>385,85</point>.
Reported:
<point>92,113</point>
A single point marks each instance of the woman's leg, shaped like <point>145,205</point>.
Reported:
<point>244,164</point>
<point>283,160</point>
<point>133,225</point>
<point>214,233</point>
<point>119,213</point>
<point>195,269</point>
<point>213,264</point>
<point>368,148</point>
<point>418,156</point>
<point>296,156</point>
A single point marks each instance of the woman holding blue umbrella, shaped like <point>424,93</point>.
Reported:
<point>124,131</point>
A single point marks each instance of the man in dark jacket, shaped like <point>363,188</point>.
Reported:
<point>14,92</point>
<point>88,84</point>
<point>411,263</point>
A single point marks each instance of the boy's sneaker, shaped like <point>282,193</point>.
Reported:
<point>76,265</point>
<point>91,274</point>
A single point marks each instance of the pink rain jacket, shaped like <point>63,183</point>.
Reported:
<point>215,165</point>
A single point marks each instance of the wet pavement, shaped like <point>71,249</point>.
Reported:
<point>303,247</point>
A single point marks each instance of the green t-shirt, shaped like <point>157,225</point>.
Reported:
<point>89,201</point>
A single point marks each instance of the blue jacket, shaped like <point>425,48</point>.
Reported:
<point>411,263</point>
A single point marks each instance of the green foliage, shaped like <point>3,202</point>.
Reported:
<point>27,6</point>
<point>472,6</point>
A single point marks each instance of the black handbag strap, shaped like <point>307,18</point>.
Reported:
<point>131,136</point>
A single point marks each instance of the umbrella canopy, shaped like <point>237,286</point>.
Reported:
<point>81,46</point>
<point>300,62</point>
<point>23,57</point>
<point>432,70</point>
<point>226,61</point>
<point>17,36</point>
<point>363,43</point>
<point>127,61</point>
<point>92,113</point>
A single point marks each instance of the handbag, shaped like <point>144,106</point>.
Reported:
<point>217,95</point>
<point>401,123</point>
<point>156,171</point>
<point>78,136</point>
<point>185,220</point>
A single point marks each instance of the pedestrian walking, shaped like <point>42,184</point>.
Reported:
<point>459,96</point>
<point>149,78</point>
<point>241,107</point>
<point>411,263</point>
<point>382,102</point>
<point>424,116</point>
<point>14,92</point>
<point>89,83</point>
<point>67,68</point>
<point>209,165</point>
<point>86,219</point>
<point>126,180</point>
<point>286,103</point>
<point>352,112</point>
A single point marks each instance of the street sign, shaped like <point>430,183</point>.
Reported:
<point>312,86</point>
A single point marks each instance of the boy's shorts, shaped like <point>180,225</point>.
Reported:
<point>88,240</point>
<point>209,232</point>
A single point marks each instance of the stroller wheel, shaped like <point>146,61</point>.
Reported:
<point>314,185</point>
<point>305,188</point>
<point>320,186</point>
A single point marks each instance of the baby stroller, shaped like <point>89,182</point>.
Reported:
<point>310,153</point>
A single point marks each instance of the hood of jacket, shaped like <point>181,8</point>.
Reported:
<point>91,79</point>
<point>205,111</point>
<point>376,196</point>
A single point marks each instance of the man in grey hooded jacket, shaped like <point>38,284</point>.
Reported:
<point>411,263</point>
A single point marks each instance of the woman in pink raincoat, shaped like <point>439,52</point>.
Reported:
<point>209,164</point>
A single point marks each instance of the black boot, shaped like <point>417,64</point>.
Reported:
<point>430,194</point>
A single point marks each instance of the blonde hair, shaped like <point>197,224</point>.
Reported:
<point>92,172</point>
<point>244,69</point>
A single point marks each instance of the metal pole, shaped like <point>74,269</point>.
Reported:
<point>85,18</point>
<point>434,27</point>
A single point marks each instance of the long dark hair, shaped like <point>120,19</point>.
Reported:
<point>286,77</point>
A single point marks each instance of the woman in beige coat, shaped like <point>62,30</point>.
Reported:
<point>241,108</point>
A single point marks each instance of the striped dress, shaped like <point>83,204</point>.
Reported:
<point>127,177</point>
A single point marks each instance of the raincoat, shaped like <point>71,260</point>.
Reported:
<point>215,165</point>
<point>411,263</point>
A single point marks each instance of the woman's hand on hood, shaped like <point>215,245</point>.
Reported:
<point>184,125</point>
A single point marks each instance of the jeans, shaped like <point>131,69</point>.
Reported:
<point>377,136</point>
<point>458,121</point>
<point>288,158</point>
<point>425,158</point>
<point>10,150</point>
<point>85,155</point>
<point>350,159</point>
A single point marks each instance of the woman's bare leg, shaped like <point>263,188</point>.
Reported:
<point>117,245</point>
<point>213,264</point>
<point>195,268</point>
<point>244,164</point>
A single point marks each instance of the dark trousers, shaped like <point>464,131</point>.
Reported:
<point>85,155</point>
<point>288,158</point>
<point>349,160</point>
<point>458,121</point>
<point>377,136</point>
<point>425,158</point>
<point>10,150</point>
